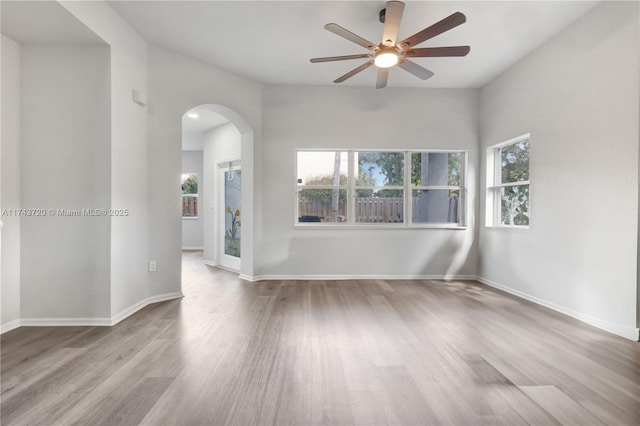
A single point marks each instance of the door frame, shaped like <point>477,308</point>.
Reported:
<point>225,261</point>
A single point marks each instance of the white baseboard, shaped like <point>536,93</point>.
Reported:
<point>617,329</point>
<point>64,322</point>
<point>195,248</point>
<point>358,277</point>
<point>631,333</point>
<point>217,265</point>
<point>235,271</point>
<point>136,307</point>
<point>11,325</point>
<point>340,277</point>
<point>88,322</point>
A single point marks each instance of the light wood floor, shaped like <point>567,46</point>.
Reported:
<point>366,352</point>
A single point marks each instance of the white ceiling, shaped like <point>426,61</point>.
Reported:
<point>43,22</point>
<point>194,128</point>
<point>272,41</point>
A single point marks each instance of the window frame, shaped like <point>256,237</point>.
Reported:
<point>352,195</point>
<point>298,187</point>
<point>196,195</point>
<point>407,189</point>
<point>494,184</point>
<point>460,188</point>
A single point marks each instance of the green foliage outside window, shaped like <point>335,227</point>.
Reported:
<point>514,166</point>
<point>190,185</point>
<point>322,194</point>
<point>514,162</point>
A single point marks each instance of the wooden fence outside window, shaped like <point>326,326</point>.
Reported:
<point>189,205</point>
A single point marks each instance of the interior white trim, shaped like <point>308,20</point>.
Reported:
<point>88,322</point>
<point>62,322</point>
<point>149,300</point>
<point>361,277</point>
<point>11,325</point>
<point>617,329</point>
<point>235,271</point>
<point>193,248</point>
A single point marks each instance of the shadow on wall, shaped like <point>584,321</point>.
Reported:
<point>461,254</point>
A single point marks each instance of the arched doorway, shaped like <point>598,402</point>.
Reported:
<point>227,143</point>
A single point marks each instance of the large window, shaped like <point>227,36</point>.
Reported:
<point>508,183</point>
<point>374,187</point>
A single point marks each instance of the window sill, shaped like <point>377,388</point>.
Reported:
<point>381,226</point>
<point>507,227</point>
<point>190,217</point>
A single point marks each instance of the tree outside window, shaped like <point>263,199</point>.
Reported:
<point>189,190</point>
<point>508,183</point>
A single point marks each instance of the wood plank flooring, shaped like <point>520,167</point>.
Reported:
<point>364,352</point>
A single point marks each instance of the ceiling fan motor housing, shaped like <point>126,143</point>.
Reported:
<point>382,15</point>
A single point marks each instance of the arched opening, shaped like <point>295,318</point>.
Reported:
<point>222,141</point>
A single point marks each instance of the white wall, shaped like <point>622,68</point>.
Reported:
<point>192,140</point>
<point>578,96</point>
<point>192,231</point>
<point>131,283</point>
<point>64,151</point>
<point>220,144</point>
<point>177,84</point>
<point>339,117</point>
<point>585,105</point>
<point>10,179</point>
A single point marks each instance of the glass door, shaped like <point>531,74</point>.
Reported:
<point>231,221</point>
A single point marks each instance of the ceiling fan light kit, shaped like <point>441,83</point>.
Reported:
<point>386,57</point>
<point>390,53</point>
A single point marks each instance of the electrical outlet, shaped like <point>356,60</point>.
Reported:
<point>152,266</point>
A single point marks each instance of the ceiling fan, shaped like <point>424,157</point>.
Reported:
<point>390,52</point>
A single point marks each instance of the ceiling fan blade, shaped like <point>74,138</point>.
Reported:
<point>438,51</point>
<point>340,58</point>
<point>353,72</point>
<point>344,33</point>
<point>446,24</point>
<point>383,76</point>
<point>392,18</point>
<point>415,69</point>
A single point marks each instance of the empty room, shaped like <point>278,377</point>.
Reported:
<point>320,212</point>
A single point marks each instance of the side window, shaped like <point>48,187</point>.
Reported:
<point>189,189</point>
<point>508,183</point>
